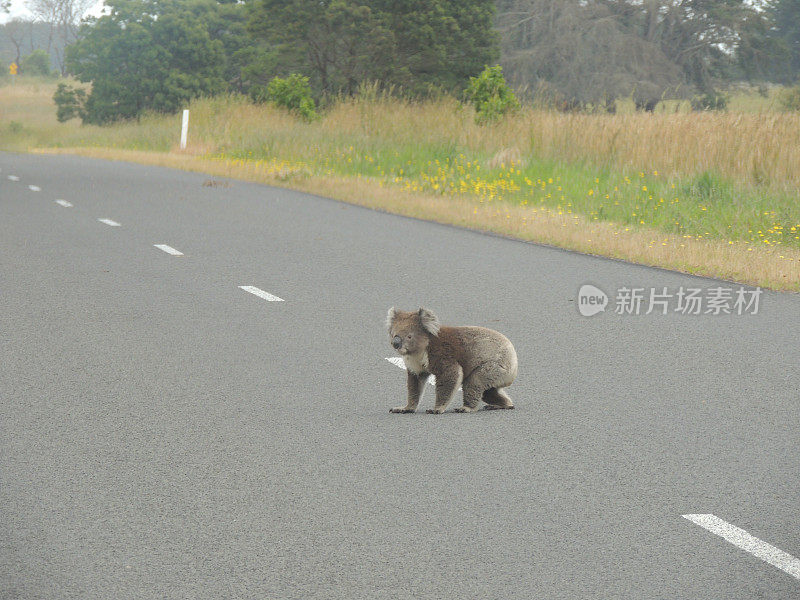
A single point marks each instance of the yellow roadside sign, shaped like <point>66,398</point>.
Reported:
<point>12,68</point>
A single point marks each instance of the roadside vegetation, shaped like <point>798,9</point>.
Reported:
<point>711,193</point>
<point>627,128</point>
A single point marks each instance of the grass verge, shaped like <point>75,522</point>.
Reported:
<point>709,194</point>
<point>767,267</point>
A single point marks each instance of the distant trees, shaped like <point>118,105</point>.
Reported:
<point>786,16</point>
<point>576,54</point>
<point>17,32</point>
<point>594,51</point>
<point>62,18</point>
<point>145,56</point>
<point>36,63</point>
<point>339,44</point>
<point>158,54</point>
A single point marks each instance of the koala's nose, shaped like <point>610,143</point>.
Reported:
<point>397,342</point>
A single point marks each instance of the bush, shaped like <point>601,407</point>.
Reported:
<point>143,56</point>
<point>36,63</point>
<point>292,93</point>
<point>70,102</point>
<point>710,101</point>
<point>490,95</point>
<point>789,98</point>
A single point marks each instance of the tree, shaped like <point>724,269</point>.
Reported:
<point>595,50</point>
<point>18,31</point>
<point>337,43</point>
<point>36,63</point>
<point>490,95</point>
<point>340,44</point>
<point>579,54</point>
<point>441,43</point>
<point>226,22</point>
<point>292,93</point>
<point>786,16</point>
<point>70,102</point>
<point>63,19</point>
<point>761,53</point>
<point>699,36</point>
<point>145,56</point>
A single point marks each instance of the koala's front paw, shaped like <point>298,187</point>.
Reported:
<point>434,411</point>
<point>465,409</point>
<point>401,410</point>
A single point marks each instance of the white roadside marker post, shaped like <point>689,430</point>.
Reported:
<point>184,128</point>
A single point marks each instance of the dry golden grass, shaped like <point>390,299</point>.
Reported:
<point>775,269</point>
<point>22,102</point>
<point>749,148</point>
<point>233,138</point>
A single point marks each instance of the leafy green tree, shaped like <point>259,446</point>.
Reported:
<point>490,95</point>
<point>441,43</point>
<point>590,52</point>
<point>341,44</point>
<point>761,54</point>
<point>226,21</point>
<point>70,102</point>
<point>786,15</point>
<point>36,63</point>
<point>292,93</point>
<point>337,43</point>
<point>145,55</point>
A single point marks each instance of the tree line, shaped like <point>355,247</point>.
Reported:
<point>593,52</point>
<point>158,54</point>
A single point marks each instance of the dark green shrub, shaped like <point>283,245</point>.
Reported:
<point>70,102</point>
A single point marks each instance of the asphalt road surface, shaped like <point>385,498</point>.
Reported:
<point>168,434</point>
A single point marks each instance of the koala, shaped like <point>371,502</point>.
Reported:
<point>480,360</point>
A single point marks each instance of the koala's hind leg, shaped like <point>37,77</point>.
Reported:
<point>497,399</point>
<point>473,389</point>
<point>446,385</point>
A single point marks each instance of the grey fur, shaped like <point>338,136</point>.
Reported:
<point>390,317</point>
<point>481,361</point>
<point>429,321</point>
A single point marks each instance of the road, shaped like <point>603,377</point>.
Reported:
<point>166,434</point>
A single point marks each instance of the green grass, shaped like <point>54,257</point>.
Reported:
<point>585,166</point>
<point>706,206</point>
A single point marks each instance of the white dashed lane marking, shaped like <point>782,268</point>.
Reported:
<point>168,249</point>
<point>740,538</point>
<point>109,222</point>
<point>64,203</point>
<point>13,178</point>
<point>34,188</point>
<point>260,293</point>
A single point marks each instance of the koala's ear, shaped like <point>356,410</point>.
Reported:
<point>429,321</point>
<point>390,318</point>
